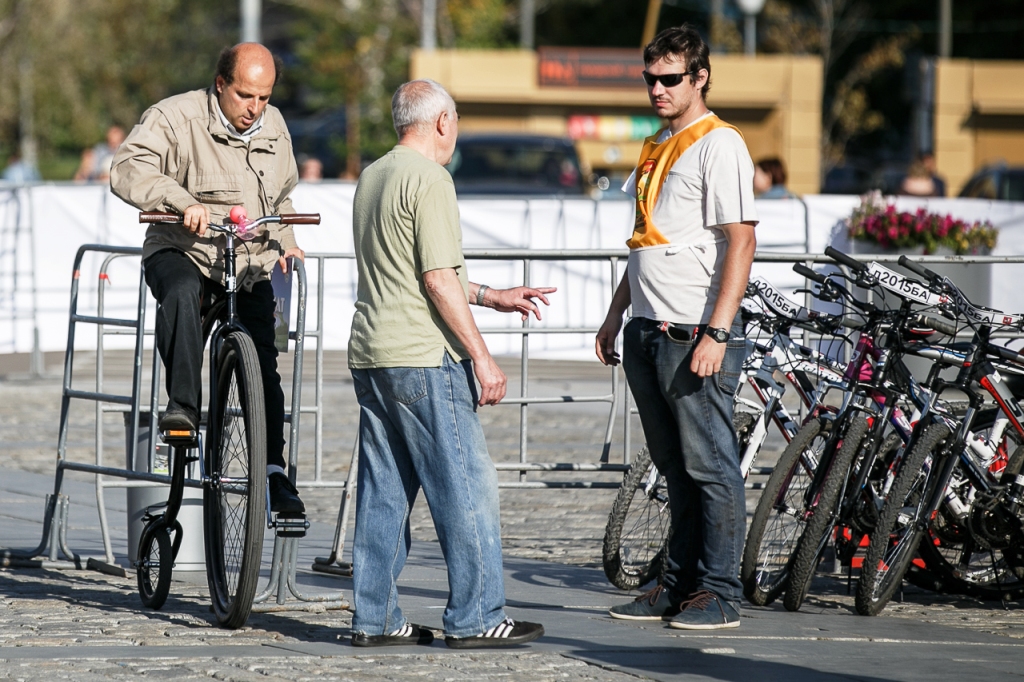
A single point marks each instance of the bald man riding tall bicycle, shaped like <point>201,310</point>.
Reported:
<point>199,154</point>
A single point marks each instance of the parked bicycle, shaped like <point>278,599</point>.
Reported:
<point>232,472</point>
<point>958,497</point>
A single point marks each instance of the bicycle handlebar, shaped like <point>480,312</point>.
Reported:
<point>919,270</point>
<point>843,259</point>
<point>285,218</point>
<point>939,325</point>
<point>801,269</point>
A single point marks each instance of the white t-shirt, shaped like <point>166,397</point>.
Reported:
<point>711,184</point>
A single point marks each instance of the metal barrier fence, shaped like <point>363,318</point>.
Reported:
<point>54,534</point>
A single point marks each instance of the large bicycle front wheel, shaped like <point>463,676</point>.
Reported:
<point>234,501</point>
<point>638,526</point>
<point>779,518</point>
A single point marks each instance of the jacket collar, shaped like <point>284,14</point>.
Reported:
<point>268,130</point>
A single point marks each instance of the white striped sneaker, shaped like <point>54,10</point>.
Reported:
<point>506,633</point>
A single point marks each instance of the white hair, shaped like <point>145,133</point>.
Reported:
<point>418,104</point>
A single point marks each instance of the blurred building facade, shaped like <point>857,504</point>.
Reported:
<point>979,117</point>
<point>597,98</point>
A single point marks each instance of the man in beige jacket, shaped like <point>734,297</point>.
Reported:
<point>199,154</point>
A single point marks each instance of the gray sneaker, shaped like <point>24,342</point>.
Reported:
<point>705,610</point>
<point>653,605</point>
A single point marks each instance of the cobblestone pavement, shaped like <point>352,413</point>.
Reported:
<point>80,609</point>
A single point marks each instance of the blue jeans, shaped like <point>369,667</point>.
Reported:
<point>418,428</point>
<point>688,425</point>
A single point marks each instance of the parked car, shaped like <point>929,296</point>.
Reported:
<point>996,182</point>
<point>516,164</point>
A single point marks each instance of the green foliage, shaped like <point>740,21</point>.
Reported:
<point>95,63</point>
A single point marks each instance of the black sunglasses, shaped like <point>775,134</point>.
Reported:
<point>669,80</point>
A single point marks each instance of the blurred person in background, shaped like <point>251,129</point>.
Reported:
<point>95,163</point>
<point>19,172</point>
<point>918,182</point>
<point>774,171</point>
<point>311,169</point>
<point>927,160</point>
<point>199,154</point>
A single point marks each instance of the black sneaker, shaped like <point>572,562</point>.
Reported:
<point>405,635</point>
<point>178,422</point>
<point>284,498</point>
<point>652,605</point>
<point>506,633</point>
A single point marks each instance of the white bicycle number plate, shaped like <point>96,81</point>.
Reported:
<point>991,317</point>
<point>778,301</point>
<point>902,286</point>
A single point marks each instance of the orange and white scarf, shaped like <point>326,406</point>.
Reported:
<point>656,160</point>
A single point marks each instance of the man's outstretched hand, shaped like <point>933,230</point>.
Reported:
<point>518,300</point>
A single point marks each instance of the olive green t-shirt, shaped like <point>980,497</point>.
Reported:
<point>405,221</point>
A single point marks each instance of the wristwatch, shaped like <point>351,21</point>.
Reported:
<point>719,335</point>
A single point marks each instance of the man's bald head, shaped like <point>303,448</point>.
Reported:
<point>246,75</point>
<point>247,57</point>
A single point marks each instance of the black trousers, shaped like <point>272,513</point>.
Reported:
<point>184,295</point>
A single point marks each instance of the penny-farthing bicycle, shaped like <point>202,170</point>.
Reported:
<point>233,468</point>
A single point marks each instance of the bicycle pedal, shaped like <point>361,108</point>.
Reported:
<point>180,438</point>
<point>290,526</point>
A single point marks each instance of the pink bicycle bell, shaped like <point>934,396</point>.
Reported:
<point>239,218</point>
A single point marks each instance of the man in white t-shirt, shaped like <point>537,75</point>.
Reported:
<point>683,349</point>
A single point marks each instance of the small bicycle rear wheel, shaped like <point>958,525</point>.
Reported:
<point>234,500</point>
<point>153,569</point>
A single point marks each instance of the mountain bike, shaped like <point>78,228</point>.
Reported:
<point>232,472</point>
<point>846,492</point>
<point>958,497</point>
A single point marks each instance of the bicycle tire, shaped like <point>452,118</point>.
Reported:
<point>234,501</point>
<point>986,575</point>
<point>823,515</point>
<point>154,565</point>
<point>765,567</point>
<point>876,584</point>
<point>627,555</point>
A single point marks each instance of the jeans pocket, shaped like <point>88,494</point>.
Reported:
<point>405,385</point>
<point>680,336</point>
<point>732,365</point>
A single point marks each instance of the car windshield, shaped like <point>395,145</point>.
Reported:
<point>516,166</point>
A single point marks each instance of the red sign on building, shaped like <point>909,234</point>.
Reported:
<point>582,67</point>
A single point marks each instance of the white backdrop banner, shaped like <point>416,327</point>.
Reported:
<point>43,226</point>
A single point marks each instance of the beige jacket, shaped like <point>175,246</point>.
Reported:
<point>180,154</point>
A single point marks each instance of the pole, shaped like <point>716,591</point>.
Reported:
<point>651,23</point>
<point>750,35</point>
<point>945,28</point>
<point>715,25</point>
<point>428,30</point>
<point>251,12</point>
<point>26,115</point>
<point>527,14</point>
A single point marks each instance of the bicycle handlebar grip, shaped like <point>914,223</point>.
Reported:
<point>801,269</point>
<point>941,326</point>
<point>918,269</point>
<point>851,322</point>
<point>159,217</point>
<point>300,218</point>
<point>843,259</point>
